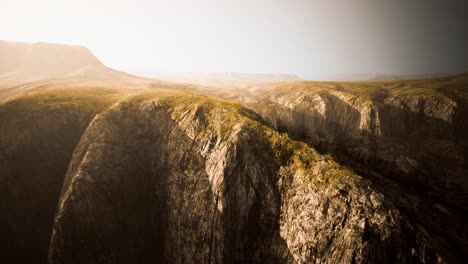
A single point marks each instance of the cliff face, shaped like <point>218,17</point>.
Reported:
<point>172,177</point>
<point>98,166</point>
<point>408,138</point>
<point>409,123</point>
<point>175,180</point>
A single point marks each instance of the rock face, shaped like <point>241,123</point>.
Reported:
<point>174,177</point>
<point>165,179</point>
<point>405,126</point>
<point>411,135</point>
<point>97,166</point>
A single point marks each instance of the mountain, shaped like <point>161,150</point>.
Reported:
<point>99,166</point>
<point>27,65</point>
<point>34,61</point>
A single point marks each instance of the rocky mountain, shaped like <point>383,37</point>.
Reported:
<point>95,169</point>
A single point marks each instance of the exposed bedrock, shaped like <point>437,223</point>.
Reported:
<point>413,148</point>
<point>174,180</point>
<point>417,140</point>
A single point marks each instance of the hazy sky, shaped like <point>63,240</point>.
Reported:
<point>308,38</point>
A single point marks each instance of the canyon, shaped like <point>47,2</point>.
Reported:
<point>101,166</point>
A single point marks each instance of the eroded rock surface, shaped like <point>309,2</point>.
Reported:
<point>175,177</point>
<point>408,138</point>
<point>195,180</point>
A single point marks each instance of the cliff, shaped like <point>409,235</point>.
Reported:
<point>174,177</point>
<point>409,138</point>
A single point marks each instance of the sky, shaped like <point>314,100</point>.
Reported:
<point>308,38</point>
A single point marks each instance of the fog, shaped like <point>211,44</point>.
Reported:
<point>308,38</point>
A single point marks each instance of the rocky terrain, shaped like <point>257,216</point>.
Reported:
<point>98,166</point>
<point>409,138</point>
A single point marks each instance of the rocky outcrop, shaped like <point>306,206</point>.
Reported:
<point>99,166</point>
<point>175,177</point>
<point>412,134</point>
<point>399,128</point>
<point>190,179</point>
<point>324,114</point>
